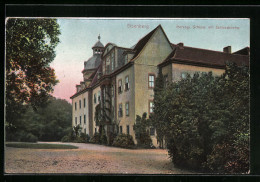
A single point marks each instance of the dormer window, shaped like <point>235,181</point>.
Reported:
<point>126,59</point>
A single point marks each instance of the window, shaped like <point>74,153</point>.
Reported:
<point>112,90</point>
<point>84,118</point>
<point>75,105</point>
<point>127,108</point>
<point>85,131</point>
<point>120,111</point>
<point>151,106</point>
<point>112,60</point>
<point>127,83</point>
<point>152,131</point>
<point>119,86</point>
<point>121,130</point>
<point>80,120</point>
<point>151,80</point>
<point>165,80</point>
<point>76,121</point>
<point>99,97</point>
<point>126,59</point>
<point>95,130</point>
<point>127,129</point>
<point>183,75</point>
<point>84,102</point>
<point>80,104</point>
<point>95,98</point>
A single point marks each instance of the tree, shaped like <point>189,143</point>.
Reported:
<point>141,128</point>
<point>207,120</point>
<point>157,118</point>
<point>49,123</point>
<point>30,45</point>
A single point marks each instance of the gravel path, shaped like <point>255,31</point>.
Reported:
<point>89,158</point>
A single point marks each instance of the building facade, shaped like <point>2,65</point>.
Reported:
<point>118,82</point>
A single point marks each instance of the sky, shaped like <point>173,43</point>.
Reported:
<point>78,35</point>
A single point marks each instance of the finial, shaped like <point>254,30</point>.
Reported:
<point>99,37</point>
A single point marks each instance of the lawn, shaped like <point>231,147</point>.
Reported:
<point>40,146</point>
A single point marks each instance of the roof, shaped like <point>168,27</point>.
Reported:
<point>244,51</point>
<point>93,62</point>
<point>193,55</point>
<point>98,44</point>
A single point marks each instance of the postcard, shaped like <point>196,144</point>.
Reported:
<point>127,96</point>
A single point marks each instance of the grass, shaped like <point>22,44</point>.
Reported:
<point>40,146</point>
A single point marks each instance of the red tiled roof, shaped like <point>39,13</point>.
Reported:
<point>206,57</point>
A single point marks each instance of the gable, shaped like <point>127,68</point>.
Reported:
<point>155,50</point>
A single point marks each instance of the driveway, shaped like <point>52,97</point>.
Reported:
<point>89,158</point>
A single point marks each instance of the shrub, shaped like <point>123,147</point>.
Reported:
<point>124,141</point>
<point>103,139</point>
<point>84,137</point>
<point>65,139</point>
<point>111,137</point>
<point>95,138</point>
<point>29,137</point>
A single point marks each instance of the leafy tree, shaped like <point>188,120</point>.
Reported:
<point>50,123</point>
<point>207,120</point>
<point>141,128</point>
<point>30,45</point>
<point>156,117</point>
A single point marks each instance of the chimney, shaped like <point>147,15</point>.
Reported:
<point>180,44</point>
<point>227,49</point>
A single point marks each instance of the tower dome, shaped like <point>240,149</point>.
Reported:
<point>98,48</point>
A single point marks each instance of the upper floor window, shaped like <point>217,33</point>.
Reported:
<point>126,59</point>
<point>151,106</point>
<point>120,86</point>
<point>112,61</point>
<point>120,111</point>
<point>127,108</point>
<point>80,104</point>
<point>99,96</point>
<point>127,83</point>
<point>75,105</point>
<point>84,102</point>
<point>151,80</point>
<point>95,98</point>
<point>112,90</point>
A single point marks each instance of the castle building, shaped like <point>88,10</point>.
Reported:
<point>119,81</point>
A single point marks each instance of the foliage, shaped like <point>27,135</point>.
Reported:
<point>75,135</point>
<point>207,120</point>
<point>95,138</point>
<point>124,141</point>
<point>30,45</point>
<point>40,146</point>
<point>49,123</point>
<point>141,131</point>
<point>103,139</point>
<point>158,111</point>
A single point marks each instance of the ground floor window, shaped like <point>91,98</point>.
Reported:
<point>127,129</point>
<point>121,129</point>
<point>95,130</point>
<point>85,131</point>
<point>76,121</point>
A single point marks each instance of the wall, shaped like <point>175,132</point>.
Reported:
<point>81,112</point>
<point>178,69</point>
<point>154,52</point>
<point>95,91</point>
<point>126,96</point>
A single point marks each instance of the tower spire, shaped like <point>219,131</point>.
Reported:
<point>99,37</point>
